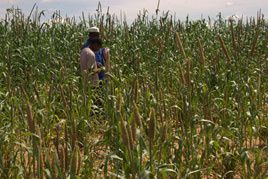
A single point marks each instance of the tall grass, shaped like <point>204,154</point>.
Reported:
<point>184,99</point>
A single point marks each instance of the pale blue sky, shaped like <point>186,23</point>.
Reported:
<point>195,8</point>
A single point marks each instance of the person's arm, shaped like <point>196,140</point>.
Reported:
<point>107,60</point>
<point>88,65</point>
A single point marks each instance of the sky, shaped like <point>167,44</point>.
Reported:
<point>194,8</point>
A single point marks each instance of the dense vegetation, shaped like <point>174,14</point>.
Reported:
<point>185,99</point>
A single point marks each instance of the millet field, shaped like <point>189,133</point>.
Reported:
<point>184,98</point>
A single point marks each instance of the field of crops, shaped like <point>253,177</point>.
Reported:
<point>185,99</point>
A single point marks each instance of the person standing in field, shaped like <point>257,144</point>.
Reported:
<point>94,60</point>
<point>100,58</point>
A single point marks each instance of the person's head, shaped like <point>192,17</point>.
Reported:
<point>94,32</point>
<point>95,44</point>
